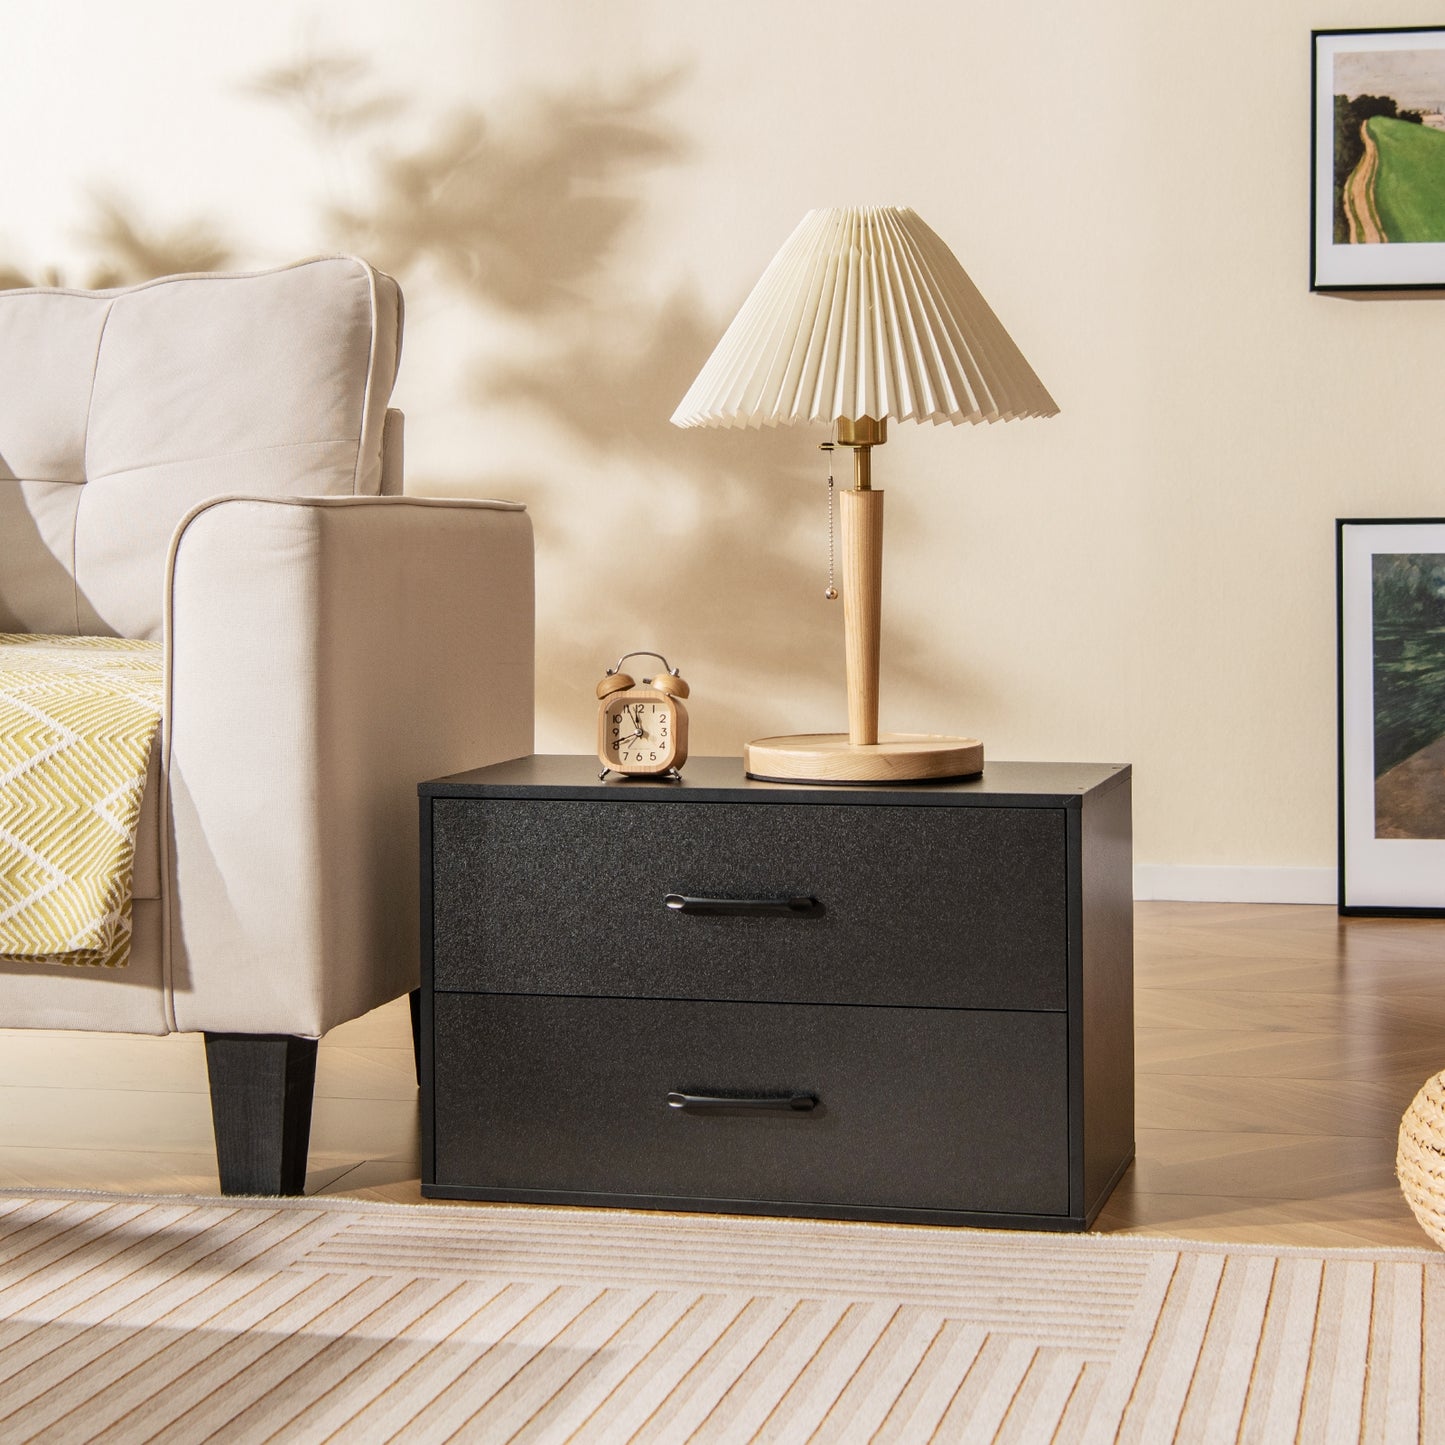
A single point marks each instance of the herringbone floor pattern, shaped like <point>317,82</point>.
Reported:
<point>1277,1048</point>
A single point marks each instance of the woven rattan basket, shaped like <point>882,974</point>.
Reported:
<point>1420,1161</point>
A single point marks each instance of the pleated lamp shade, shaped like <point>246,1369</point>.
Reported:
<point>864,313</point>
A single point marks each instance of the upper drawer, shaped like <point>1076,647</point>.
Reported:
<point>962,907</point>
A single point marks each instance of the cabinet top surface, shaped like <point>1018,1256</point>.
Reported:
<point>716,780</point>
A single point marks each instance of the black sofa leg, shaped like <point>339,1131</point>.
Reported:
<point>416,1032</point>
<point>261,1090</point>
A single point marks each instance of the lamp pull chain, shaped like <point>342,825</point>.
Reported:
<point>830,591</point>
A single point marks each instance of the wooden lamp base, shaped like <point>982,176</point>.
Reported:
<point>831,758</point>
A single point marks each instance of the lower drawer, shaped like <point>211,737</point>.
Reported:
<point>944,1109</point>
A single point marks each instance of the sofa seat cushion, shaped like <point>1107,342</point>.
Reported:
<point>78,722</point>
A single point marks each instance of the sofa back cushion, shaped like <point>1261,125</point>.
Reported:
<point>121,410</point>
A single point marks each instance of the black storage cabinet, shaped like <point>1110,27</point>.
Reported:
<point>908,1003</point>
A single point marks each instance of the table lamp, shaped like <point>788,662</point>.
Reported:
<point>864,316</point>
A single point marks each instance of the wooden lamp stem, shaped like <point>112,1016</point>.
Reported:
<point>861,515</point>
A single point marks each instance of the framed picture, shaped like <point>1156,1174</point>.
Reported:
<point>1377,190</point>
<point>1391,619</point>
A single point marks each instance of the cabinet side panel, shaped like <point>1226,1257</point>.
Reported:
<point>426,1059</point>
<point>1107,988</point>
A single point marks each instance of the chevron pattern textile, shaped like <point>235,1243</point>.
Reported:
<point>78,717</point>
<point>187,1319</point>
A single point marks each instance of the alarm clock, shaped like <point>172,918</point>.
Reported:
<point>641,726</point>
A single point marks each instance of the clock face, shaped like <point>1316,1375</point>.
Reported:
<point>639,733</point>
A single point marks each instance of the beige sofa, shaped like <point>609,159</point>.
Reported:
<point>209,460</point>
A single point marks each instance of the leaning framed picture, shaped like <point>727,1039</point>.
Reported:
<point>1390,579</point>
<point>1377,189</point>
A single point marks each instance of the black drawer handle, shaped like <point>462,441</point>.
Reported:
<point>750,907</point>
<point>787,1103</point>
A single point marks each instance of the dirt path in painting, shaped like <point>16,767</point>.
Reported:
<point>1360,194</point>
<point>1410,797</point>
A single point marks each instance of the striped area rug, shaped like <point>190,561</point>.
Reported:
<point>125,1319</point>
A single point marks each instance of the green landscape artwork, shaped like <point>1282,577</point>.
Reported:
<point>1409,676</point>
<point>1389,146</point>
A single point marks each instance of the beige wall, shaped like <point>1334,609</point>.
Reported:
<point>576,197</point>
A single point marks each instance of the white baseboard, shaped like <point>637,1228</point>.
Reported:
<point>1194,884</point>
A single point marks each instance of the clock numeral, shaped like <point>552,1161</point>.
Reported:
<point>654,757</point>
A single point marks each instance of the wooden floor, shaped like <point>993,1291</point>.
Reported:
<point>1277,1048</point>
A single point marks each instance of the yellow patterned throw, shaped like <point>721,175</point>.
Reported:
<point>78,716</point>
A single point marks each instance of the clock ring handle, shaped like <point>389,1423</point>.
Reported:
<point>668,681</point>
<point>670,668</point>
<point>794,907</point>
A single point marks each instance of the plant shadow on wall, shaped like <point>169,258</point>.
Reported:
<point>711,543</point>
<point>710,546</point>
<point>127,251</point>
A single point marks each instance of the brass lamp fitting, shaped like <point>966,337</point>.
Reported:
<point>862,434</point>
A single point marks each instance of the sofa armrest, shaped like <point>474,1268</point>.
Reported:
<point>324,655</point>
